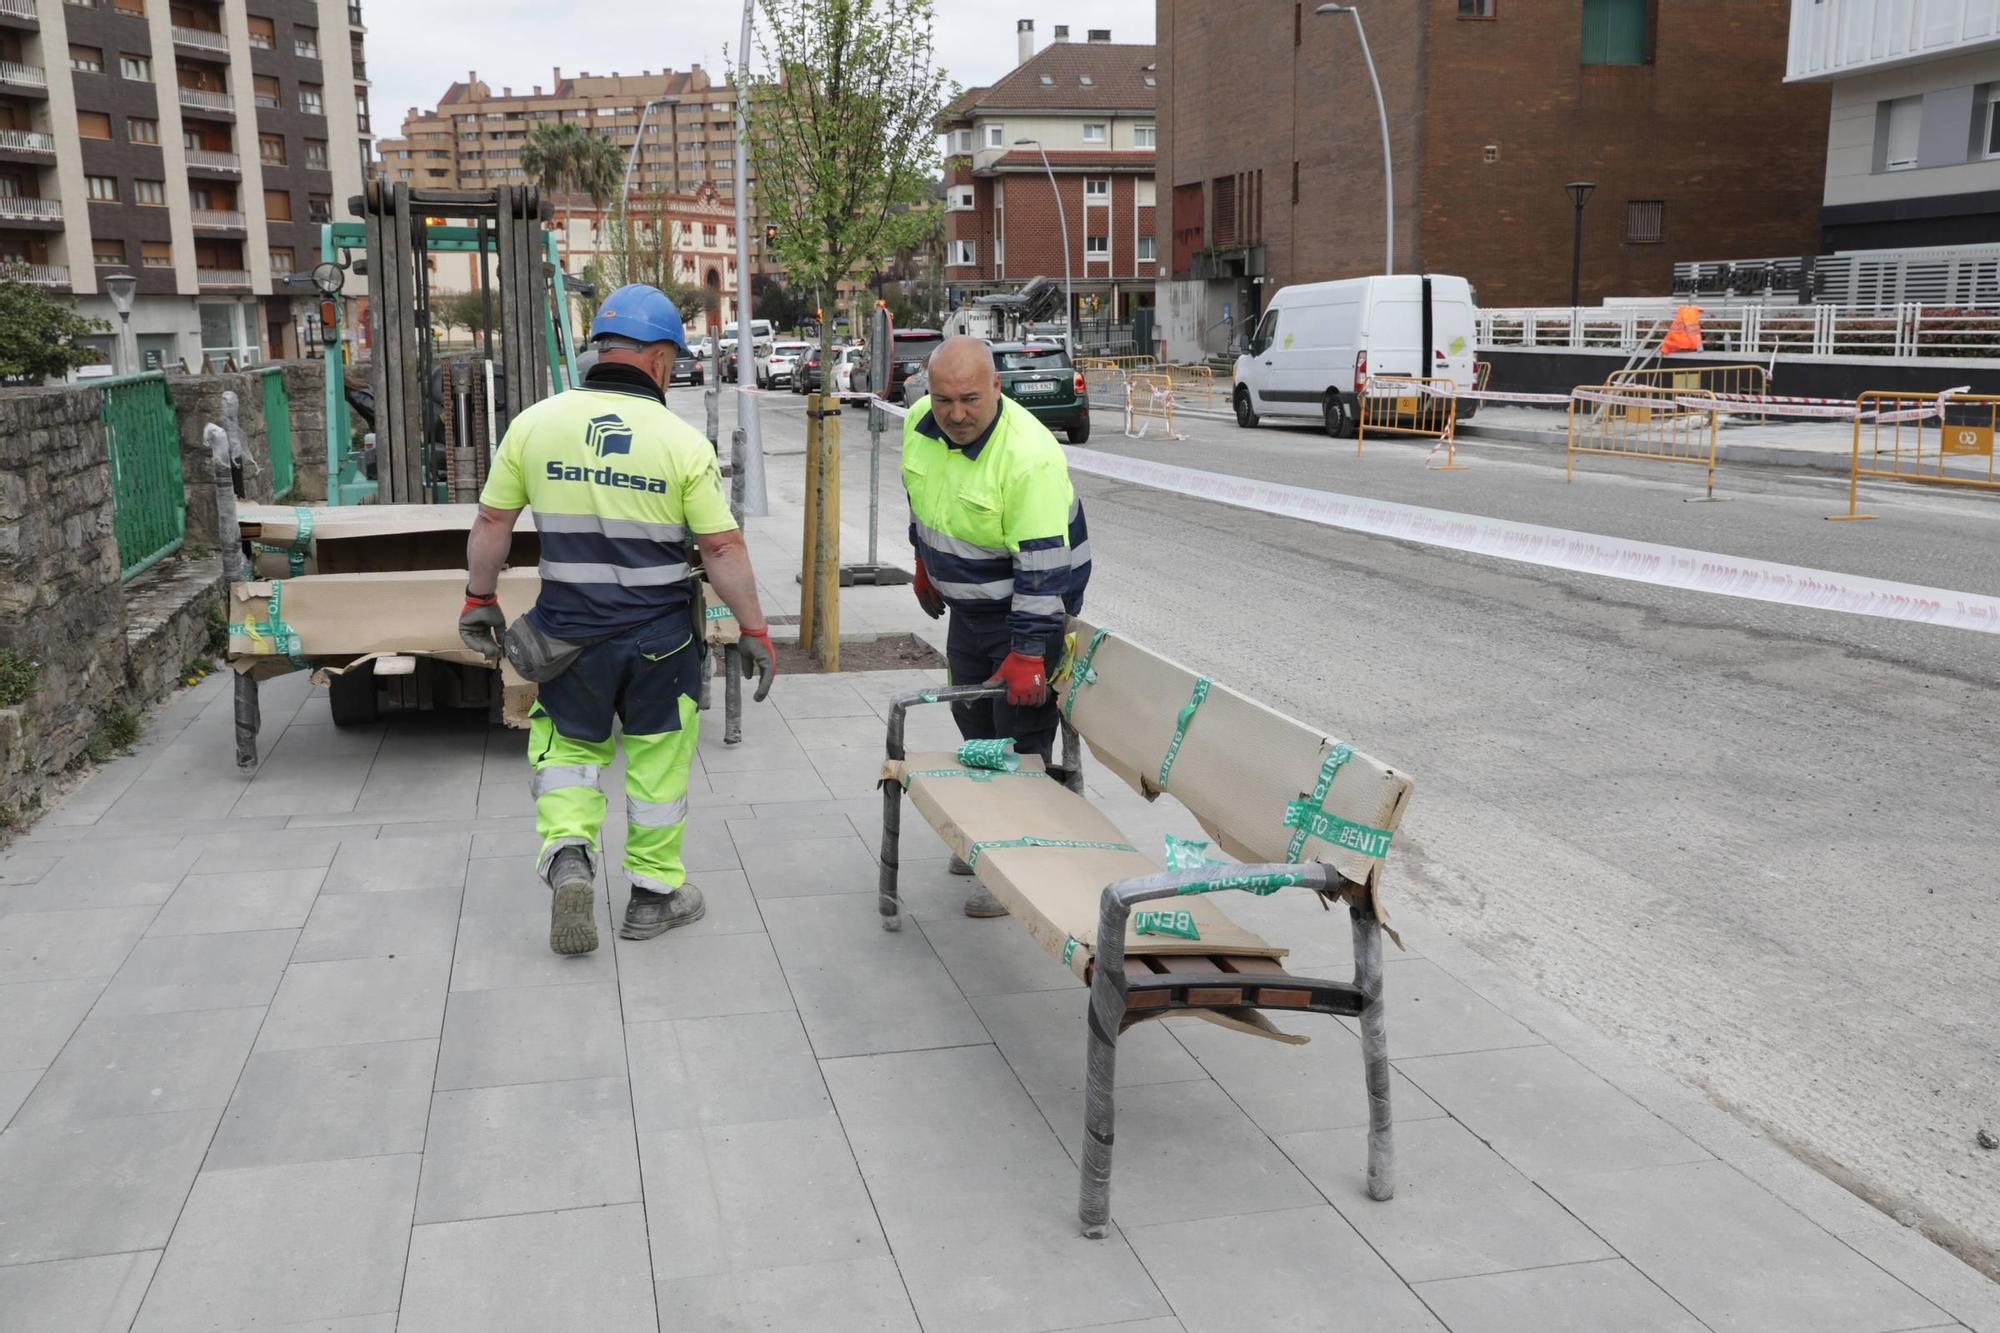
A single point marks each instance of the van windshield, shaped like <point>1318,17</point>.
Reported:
<point>1266,334</point>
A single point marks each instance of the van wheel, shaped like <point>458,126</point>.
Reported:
<point>352,697</point>
<point>1246,415</point>
<point>1340,422</point>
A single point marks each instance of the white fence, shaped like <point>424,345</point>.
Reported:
<point>1754,330</point>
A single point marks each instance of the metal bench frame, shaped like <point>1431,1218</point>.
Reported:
<point>1114,994</point>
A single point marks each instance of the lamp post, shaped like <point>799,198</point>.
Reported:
<point>1382,114</point>
<point>1578,192</point>
<point>755,502</point>
<point>631,163</point>
<point>120,287</point>
<point>1062,218</point>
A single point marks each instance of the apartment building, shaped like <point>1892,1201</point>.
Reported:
<point>1087,113</point>
<point>1678,110</point>
<point>1913,136</point>
<point>194,144</point>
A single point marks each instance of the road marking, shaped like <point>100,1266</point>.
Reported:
<point>1559,548</point>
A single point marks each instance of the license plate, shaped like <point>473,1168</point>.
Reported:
<point>1035,386</point>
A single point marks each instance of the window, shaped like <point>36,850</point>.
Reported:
<point>139,68</point>
<point>1097,245</point>
<point>107,254</point>
<point>309,101</point>
<point>130,8</point>
<point>996,136</point>
<point>1992,140</point>
<point>86,59</point>
<point>708,234</point>
<point>150,193</point>
<point>281,262</point>
<point>1646,221</point>
<point>1490,153</point>
<point>1086,81</point>
<point>1098,188</point>
<point>305,43</point>
<point>156,254</point>
<point>263,33</point>
<point>961,198</point>
<point>1094,133</point>
<point>1899,125</point>
<point>1048,80</point>
<point>316,154</point>
<point>93,125</point>
<point>1266,334</point>
<point>1147,252</point>
<point>1146,193</point>
<point>140,130</point>
<point>1476,9</point>
<point>1145,136</point>
<point>963,253</point>
<point>277,205</point>
<point>1615,32</point>
<point>264,88</point>
<point>102,189</point>
<point>271,149</point>
<point>319,208</point>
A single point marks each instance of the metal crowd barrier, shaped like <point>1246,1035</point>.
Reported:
<point>1424,406</point>
<point>1935,439</point>
<point>1659,422</point>
<point>1189,380</point>
<point>1149,397</point>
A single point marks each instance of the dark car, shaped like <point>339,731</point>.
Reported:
<point>910,353</point>
<point>1043,380</point>
<point>689,370</point>
<point>806,374</point>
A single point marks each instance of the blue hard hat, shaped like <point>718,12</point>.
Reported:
<point>641,313</point>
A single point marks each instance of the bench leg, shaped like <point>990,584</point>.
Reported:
<point>889,904</point>
<point>1107,1013</point>
<point>1374,1053</point>
<point>249,718</point>
<point>1072,758</point>
<point>732,695</point>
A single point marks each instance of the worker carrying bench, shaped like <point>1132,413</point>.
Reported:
<point>1297,809</point>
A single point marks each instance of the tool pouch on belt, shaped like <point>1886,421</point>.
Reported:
<point>538,656</point>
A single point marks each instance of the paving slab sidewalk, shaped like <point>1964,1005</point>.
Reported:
<point>288,1048</point>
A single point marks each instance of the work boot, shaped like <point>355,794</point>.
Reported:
<point>981,903</point>
<point>960,866</point>
<point>650,913</point>
<point>572,920</point>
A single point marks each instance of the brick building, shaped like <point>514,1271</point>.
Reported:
<point>1091,106</point>
<point>1678,111</point>
<point>194,144</point>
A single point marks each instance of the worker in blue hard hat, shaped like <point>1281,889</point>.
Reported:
<point>620,486</point>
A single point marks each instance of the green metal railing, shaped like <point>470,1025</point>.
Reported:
<point>278,429</point>
<point>149,495</point>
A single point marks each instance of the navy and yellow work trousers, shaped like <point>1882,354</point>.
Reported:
<point>647,680</point>
<point>975,645</point>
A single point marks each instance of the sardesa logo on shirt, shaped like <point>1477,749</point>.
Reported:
<point>607,435</point>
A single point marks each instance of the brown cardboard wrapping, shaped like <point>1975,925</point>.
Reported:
<point>359,615</point>
<point>1055,892</point>
<point>719,625</point>
<point>356,539</point>
<point>1239,765</point>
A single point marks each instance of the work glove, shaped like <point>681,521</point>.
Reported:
<point>759,659</point>
<point>928,597</point>
<point>1026,675</point>
<point>481,623</point>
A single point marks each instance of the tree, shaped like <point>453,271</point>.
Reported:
<point>462,310</point>
<point>567,159</point>
<point>785,307</point>
<point>844,138</point>
<point>41,336</point>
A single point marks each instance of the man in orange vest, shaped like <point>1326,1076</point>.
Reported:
<point>1685,335</point>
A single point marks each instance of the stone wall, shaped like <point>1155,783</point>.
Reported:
<point>305,381</point>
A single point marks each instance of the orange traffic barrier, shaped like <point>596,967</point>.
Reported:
<point>1659,422</point>
<point>1411,405</point>
<point>1937,439</point>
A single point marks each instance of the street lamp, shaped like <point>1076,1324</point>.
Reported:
<point>120,287</point>
<point>632,161</point>
<point>1578,191</point>
<point>1381,112</point>
<point>755,502</point>
<point>1062,217</point>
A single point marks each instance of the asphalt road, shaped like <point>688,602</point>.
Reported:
<point>1756,843</point>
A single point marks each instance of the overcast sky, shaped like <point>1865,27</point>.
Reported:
<point>417,47</point>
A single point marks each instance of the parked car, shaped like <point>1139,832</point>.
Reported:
<point>779,366</point>
<point>806,376</point>
<point>910,352</point>
<point>1318,343</point>
<point>690,369</point>
<point>729,372</point>
<point>1043,380</point>
<point>850,370</point>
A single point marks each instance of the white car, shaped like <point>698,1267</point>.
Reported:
<point>778,365</point>
<point>850,370</point>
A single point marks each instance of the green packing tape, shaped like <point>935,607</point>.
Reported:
<point>976,774</point>
<point>1261,885</point>
<point>302,540</point>
<point>972,857</point>
<point>1081,675</point>
<point>995,755</point>
<point>1201,685</point>
<point>1309,819</point>
<point>1335,757</point>
<point>1178,922</point>
<point>1188,854</point>
<point>928,696</point>
<point>284,639</point>
<point>1069,949</point>
<point>717,613</point>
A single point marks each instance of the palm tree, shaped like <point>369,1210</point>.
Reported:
<point>567,159</point>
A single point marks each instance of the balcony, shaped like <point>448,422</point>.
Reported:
<point>24,11</point>
<point>215,219</point>
<point>35,275</point>
<point>27,141</point>
<point>23,209</point>
<point>267,101</point>
<point>354,18</point>
<point>209,279</point>
<point>201,39</point>
<point>205,159</point>
<point>202,100</point>
<point>23,76</point>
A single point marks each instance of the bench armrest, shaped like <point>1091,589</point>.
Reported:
<point>903,703</point>
<point>1119,899</point>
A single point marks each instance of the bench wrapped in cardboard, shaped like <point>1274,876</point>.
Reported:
<point>362,539</point>
<point>413,612</point>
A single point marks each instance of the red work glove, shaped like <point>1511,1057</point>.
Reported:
<point>759,658</point>
<point>1027,679</point>
<point>928,597</point>
<point>481,623</point>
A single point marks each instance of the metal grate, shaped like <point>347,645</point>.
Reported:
<point>149,497</point>
<point>278,430</point>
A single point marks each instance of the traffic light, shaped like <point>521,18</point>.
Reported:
<point>770,233</point>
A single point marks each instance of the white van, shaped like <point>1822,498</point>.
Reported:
<point>1318,342</point>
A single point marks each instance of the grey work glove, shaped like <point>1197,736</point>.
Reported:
<point>759,659</point>
<point>481,624</point>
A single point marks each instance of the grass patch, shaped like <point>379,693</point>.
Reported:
<point>118,729</point>
<point>217,642</point>
<point>18,678</point>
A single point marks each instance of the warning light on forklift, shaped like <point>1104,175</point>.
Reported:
<point>329,323</point>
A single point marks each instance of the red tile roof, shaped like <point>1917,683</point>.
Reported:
<point>1117,72</point>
